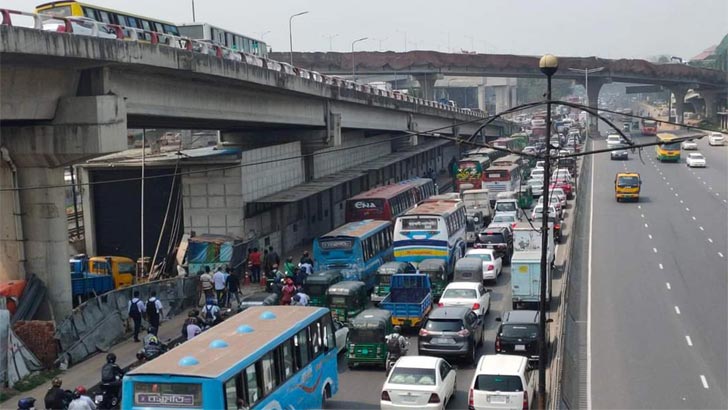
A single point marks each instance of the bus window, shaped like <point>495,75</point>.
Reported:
<point>329,335</point>
<point>158,27</point>
<point>233,390</point>
<point>122,20</point>
<point>314,330</point>
<point>302,348</point>
<point>287,359</point>
<point>146,25</point>
<point>133,22</point>
<point>251,381</point>
<point>89,12</point>
<point>104,16</point>
<point>270,376</point>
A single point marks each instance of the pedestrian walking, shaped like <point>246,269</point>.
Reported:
<point>287,292</point>
<point>154,310</point>
<point>219,282</point>
<point>233,285</point>
<point>206,283</point>
<point>135,310</point>
<point>266,260</point>
<point>255,260</point>
<point>273,257</point>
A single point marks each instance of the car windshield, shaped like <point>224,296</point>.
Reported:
<point>444,325</point>
<point>483,256</point>
<point>459,294</point>
<point>415,377</point>
<point>491,382</point>
<point>520,330</point>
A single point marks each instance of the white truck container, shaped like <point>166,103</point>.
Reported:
<point>528,239</point>
<point>526,280</point>
<point>477,200</point>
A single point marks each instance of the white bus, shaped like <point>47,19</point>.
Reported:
<point>498,179</point>
<point>433,230</point>
<point>225,38</point>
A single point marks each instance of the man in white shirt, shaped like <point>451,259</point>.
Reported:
<point>300,299</point>
<point>219,281</point>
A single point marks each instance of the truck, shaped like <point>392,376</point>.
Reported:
<point>526,280</point>
<point>528,238</point>
<point>99,274</point>
<point>476,200</point>
<point>409,299</point>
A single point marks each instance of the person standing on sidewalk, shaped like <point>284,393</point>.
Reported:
<point>273,257</point>
<point>233,284</point>
<point>255,265</point>
<point>135,311</point>
<point>154,310</point>
<point>219,280</point>
<point>206,283</point>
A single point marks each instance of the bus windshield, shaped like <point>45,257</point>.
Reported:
<point>671,146</point>
<point>628,182</point>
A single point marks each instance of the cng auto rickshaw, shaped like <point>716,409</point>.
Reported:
<point>468,269</point>
<point>367,333</point>
<point>439,276</point>
<point>384,275</point>
<point>525,197</point>
<point>316,284</point>
<point>347,299</point>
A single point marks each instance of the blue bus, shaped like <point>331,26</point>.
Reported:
<point>264,358</point>
<point>356,249</point>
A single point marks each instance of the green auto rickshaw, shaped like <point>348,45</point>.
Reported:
<point>439,276</point>
<point>347,299</point>
<point>384,275</point>
<point>525,197</point>
<point>316,284</point>
<point>367,333</point>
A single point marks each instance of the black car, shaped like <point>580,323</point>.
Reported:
<point>451,331</point>
<point>518,333</point>
<point>500,239</point>
<point>619,154</point>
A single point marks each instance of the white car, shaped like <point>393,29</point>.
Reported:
<point>502,382</point>
<point>695,159</point>
<point>83,26</point>
<point>555,202</point>
<point>418,382</point>
<point>536,186</point>
<point>716,138</point>
<point>508,220</point>
<point>538,209</point>
<point>472,294</point>
<point>342,335</point>
<point>492,264</point>
<point>614,141</point>
<point>537,173</point>
<point>689,145</point>
<point>540,164</point>
<point>559,193</point>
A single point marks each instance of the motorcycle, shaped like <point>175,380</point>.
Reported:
<point>392,357</point>
<point>108,397</point>
<point>144,355</point>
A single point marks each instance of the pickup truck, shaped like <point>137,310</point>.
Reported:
<point>85,284</point>
<point>409,299</point>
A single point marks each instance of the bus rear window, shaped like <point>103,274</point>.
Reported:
<point>61,11</point>
<point>497,174</point>
<point>168,395</point>
<point>424,224</point>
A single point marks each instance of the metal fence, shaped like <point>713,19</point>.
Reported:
<point>100,322</point>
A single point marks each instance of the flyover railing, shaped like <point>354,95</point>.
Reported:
<point>89,27</point>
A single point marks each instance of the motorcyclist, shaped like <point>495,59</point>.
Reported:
<point>55,396</point>
<point>111,375</point>
<point>289,267</point>
<point>211,313</point>
<point>396,345</point>
<point>81,401</point>
<point>26,403</point>
<point>152,346</point>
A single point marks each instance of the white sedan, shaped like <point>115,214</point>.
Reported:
<point>716,138</point>
<point>341,333</point>
<point>472,294</point>
<point>504,220</point>
<point>689,145</point>
<point>492,264</point>
<point>695,159</point>
<point>538,210</point>
<point>418,382</point>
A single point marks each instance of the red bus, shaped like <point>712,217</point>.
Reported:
<point>470,172</point>
<point>387,202</point>
<point>649,127</point>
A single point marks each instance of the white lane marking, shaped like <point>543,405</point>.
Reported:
<point>649,235</point>
<point>704,182</point>
<point>701,228</point>
<point>681,201</point>
<point>671,189</point>
<point>705,382</point>
<point>693,218</point>
<point>668,285</point>
<point>720,254</point>
<point>687,209</point>
<point>668,183</point>
<point>646,226</point>
<point>639,206</point>
<point>677,310</point>
<point>690,341</point>
<point>654,250</point>
<point>589,293</point>
<point>642,215</point>
<point>725,201</point>
<point>710,240</point>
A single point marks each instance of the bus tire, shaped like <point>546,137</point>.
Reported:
<point>325,395</point>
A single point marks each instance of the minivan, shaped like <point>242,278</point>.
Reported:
<point>502,382</point>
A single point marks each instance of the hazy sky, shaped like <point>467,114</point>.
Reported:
<point>606,28</point>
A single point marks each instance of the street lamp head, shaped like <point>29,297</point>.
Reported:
<point>548,64</point>
<point>300,14</point>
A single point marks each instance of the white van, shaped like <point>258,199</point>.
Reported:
<point>502,382</point>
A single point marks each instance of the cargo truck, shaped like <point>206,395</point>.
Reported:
<point>526,280</point>
<point>528,238</point>
<point>409,299</point>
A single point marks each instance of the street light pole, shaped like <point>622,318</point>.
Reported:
<point>586,72</point>
<point>353,66</point>
<point>331,38</point>
<point>290,31</point>
<point>548,64</point>
<point>193,11</point>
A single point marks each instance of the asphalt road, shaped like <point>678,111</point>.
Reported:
<point>659,285</point>
<point>360,388</point>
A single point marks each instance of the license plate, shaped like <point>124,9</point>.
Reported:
<point>497,399</point>
<point>99,398</point>
<point>443,341</point>
<point>520,348</point>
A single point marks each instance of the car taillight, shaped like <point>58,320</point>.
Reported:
<point>491,267</point>
<point>385,396</point>
<point>497,344</point>
<point>464,332</point>
<point>424,332</point>
<point>557,226</point>
<point>440,304</point>
<point>513,225</point>
<point>525,401</point>
<point>434,398</point>
<point>61,29</point>
<point>471,404</point>
<point>476,306</point>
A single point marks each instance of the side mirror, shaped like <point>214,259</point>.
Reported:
<point>498,319</point>
<point>549,320</point>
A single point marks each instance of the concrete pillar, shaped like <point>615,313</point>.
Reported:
<point>679,93</point>
<point>595,85</point>
<point>481,98</point>
<point>427,85</point>
<point>711,104</point>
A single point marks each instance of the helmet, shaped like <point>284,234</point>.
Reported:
<point>26,403</point>
<point>193,313</point>
<point>57,382</point>
<point>397,329</point>
<point>79,391</point>
<point>110,358</point>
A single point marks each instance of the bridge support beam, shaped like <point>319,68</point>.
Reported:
<point>679,93</point>
<point>711,104</point>
<point>592,92</point>
<point>35,156</point>
<point>427,85</point>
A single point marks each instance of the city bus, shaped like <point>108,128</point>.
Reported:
<point>512,159</point>
<point>433,230</point>
<point>649,127</point>
<point>501,179</point>
<point>470,172</point>
<point>670,151</point>
<point>387,202</point>
<point>225,38</point>
<point>266,357</point>
<point>356,249</point>
<point>491,153</point>
<point>108,16</point>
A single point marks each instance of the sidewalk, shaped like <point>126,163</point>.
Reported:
<point>88,372</point>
